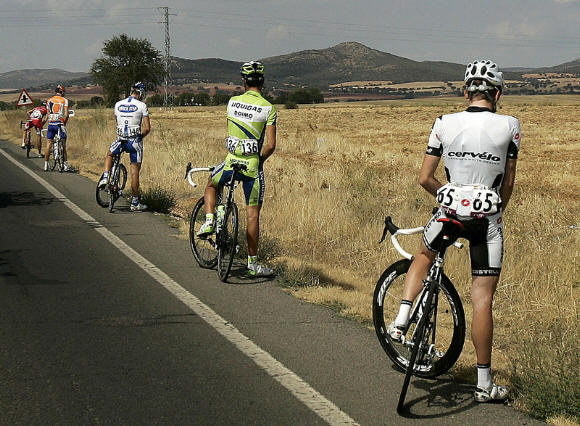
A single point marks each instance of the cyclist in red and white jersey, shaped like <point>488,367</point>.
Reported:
<point>37,117</point>
<point>479,150</point>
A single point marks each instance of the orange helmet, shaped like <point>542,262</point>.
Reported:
<point>59,89</point>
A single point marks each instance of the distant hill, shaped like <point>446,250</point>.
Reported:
<point>572,67</point>
<point>37,77</point>
<point>354,62</point>
<point>350,61</point>
<point>343,62</point>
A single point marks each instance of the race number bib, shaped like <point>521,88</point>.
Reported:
<point>128,131</point>
<point>241,146</point>
<point>468,200</point>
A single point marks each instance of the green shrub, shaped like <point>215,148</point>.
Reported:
<point>158,199</point>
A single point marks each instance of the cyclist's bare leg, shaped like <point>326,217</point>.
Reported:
<point>210,196</point>
<point>135,169</point>
<point>253,229</point>
<point>482,291</point>
<point>64,157</point>
<point>417,272</point>
<point>48,148</point>
<point>39,143</point>
<point>109,162</point>
<point>24,136</point>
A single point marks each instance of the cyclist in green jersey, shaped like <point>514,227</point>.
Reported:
<point>251,119</point>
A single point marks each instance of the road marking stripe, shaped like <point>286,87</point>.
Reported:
<point>326,409</point>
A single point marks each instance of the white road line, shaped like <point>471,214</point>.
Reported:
<point>326,409</point>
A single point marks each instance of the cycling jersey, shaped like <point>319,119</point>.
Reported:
<point>36,116</point>
<point>475,145</point>
<point>129,113</point>
<point>248,115</point>
<point>57,107</point>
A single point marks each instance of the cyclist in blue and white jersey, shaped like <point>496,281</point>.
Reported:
<point>251,120</point>
<point>133,125</point>
<point>479,150</point>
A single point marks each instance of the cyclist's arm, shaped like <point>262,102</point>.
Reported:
<point>270,146</point>
<point>507,185</point>
<point>427,177</point>
<point>145,126</point>
<point>65,117</point>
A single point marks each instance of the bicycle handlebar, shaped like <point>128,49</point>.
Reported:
<point>395,231</point>
<point>191,170</point>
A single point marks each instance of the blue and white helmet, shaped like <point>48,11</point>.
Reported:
<point>139,88</point>
<point>485,70</point>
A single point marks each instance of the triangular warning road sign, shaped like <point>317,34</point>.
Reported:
<point>24,99</point>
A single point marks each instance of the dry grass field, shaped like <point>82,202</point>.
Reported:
<point>340,168</point>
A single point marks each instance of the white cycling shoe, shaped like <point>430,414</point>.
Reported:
<point>259,270</point>
<point>138,207</point>
<point>103,181</point>
<point>496,393</point>
<point>395,332</point>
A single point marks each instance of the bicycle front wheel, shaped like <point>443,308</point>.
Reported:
<point>102,195</point>
<point>204,249</point>
<point>227,242</point>
<point>114,191</point>
<point>447,336</point>
<point>28,144</point>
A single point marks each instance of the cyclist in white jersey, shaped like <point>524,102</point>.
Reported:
<point>479,150</point>
<point>133,125</point>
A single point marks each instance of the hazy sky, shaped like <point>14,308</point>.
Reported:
<point>69,34</point>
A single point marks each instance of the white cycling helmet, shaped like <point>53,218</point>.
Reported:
<point>484,70</point>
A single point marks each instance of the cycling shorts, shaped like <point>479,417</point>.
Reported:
<point>254,187</point>
<point>485,238</point>
<point>53,128</point>
<point>37,124</point>
<point>133,146</point>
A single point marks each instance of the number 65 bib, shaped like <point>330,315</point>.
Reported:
<point>468,200</point>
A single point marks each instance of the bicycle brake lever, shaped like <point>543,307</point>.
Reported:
<point>187,169</point>
<point>386,228</point>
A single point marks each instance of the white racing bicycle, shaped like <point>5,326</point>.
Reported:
<point>435,333</point>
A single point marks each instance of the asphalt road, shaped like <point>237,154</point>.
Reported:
<point>106,319</point>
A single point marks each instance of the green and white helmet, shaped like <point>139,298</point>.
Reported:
<point>252,68</point>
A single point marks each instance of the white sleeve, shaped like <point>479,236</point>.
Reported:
<point>435,145</point>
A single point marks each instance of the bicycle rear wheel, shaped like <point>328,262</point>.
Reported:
<point>227,242</point>
<point>122,176</point>
<point>447,337</point>
<point>204,249</point>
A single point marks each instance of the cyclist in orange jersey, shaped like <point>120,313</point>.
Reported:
<point>57,118</point>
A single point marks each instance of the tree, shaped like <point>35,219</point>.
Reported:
<point>125,61</point>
